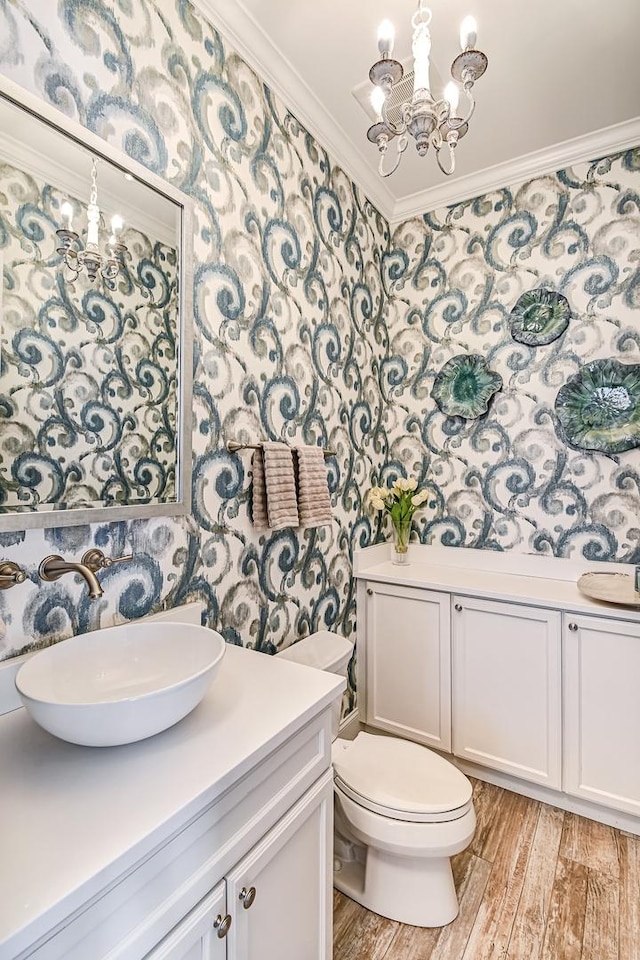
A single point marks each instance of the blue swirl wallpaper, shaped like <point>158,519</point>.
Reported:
<point>88,374</point>
<point>315,323</point>
<point>288,317</point>
<point>509,480</point>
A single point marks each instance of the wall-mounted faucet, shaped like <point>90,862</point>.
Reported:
<point>54,567</point>
<point>10,574</point>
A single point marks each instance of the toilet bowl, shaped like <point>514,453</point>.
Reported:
<point>401,812</point>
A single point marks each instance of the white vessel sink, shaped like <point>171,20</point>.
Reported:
<point>120,684</point>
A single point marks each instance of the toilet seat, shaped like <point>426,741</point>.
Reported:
<point>400,780</point>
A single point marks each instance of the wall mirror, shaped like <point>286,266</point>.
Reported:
<point>95,336</point>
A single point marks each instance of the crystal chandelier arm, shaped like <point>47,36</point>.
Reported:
<point>401,146</point>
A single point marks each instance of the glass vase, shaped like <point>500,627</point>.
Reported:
<point>401,534</point>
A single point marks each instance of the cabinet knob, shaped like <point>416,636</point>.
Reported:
<point>573,627</point>
<point>247,896</point>
<point>458,607</point>
<point>221,925</point>
<point>369,592</point>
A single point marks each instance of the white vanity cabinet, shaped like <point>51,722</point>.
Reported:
<point>602,711</point>
<point>408,672</point>
<point>291,872</point>
<point>507,688</point>
<point>276,903</point>
<point>210,841</point>
<point>503,664</point>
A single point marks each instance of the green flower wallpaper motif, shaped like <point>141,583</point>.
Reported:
<point>465,385</point>
<point>539,317</point>
<point>599,407</point>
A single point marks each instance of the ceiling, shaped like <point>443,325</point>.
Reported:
<point>563,84</point>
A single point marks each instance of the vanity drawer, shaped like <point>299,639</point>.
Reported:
<point>146,903</point>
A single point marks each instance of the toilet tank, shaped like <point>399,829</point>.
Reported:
<point>325,651</point>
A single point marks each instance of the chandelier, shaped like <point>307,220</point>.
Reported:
<point>77,257</point>
<point>430,122</point>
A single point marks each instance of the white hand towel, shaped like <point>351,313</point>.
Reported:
<point>314,502</point>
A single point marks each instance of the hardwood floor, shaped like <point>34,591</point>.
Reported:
<point>535,884</point>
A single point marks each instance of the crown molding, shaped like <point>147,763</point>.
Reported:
<point>599,143</point>
<point>248,38</point>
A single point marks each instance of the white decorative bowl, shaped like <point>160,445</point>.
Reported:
<point>120,684</point>
<point>611,587</point>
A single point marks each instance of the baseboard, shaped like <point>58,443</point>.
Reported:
<point>555,798</point>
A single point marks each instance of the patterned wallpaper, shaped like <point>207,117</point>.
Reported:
<point>508,480</point>
<point>88,374</point>
<point>288,322</point>
<point>310,327</point>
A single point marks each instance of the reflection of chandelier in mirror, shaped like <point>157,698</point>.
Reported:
<point>429,121</point>
<point>90,258</point>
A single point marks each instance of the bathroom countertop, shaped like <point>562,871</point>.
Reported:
<point>453,571</point>
<point>73,819</point>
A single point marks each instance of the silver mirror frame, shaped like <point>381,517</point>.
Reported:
<point>35,519</point>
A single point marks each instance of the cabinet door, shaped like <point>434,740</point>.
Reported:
<point>602,711</point>
<point>409,663</point>
<point>507,688</point>
<point>201,935</point>
<point>279,896</point>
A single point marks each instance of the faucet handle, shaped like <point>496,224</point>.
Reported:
<point>10,574</point>
<point>95,560</point>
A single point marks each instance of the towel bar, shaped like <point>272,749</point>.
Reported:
<point>233,446</point>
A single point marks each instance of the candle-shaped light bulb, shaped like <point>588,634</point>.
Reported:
<point>468,33</point>
<point>117,224</point>
<point>452,94</point>
<point>377,100</point>
<point>386,36</point>
<point>67,212</point>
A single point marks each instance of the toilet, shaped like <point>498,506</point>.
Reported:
<point>401,812</point>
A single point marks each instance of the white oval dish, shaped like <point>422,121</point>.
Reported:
<point>611,587</point>
<point>120,684</point>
